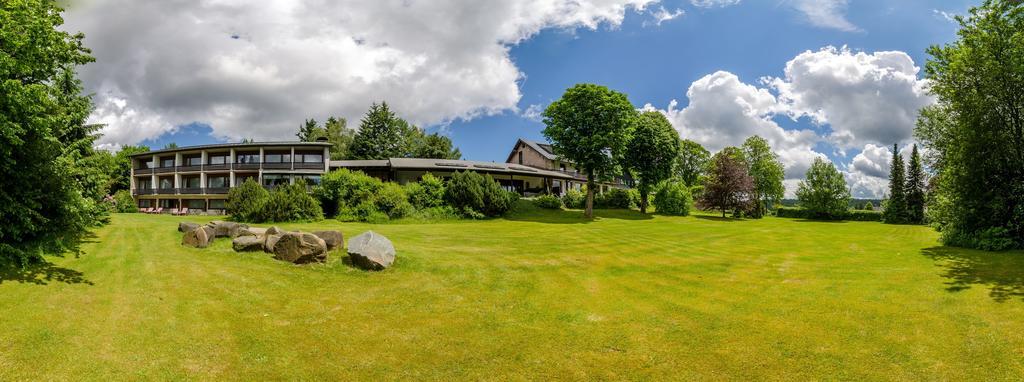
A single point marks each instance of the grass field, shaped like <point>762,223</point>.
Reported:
<point>541,295</point>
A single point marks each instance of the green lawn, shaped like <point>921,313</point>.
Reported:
<point>542,295</point>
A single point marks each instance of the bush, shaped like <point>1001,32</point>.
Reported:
<point>614,198</point>
<point>864,215</point>
<point>427,193</point>
<point>123,202</point>
<point>393,201</point>
<point>548,201</point>
<point>245,201</point>
<point>991,239</point>
<point>673,198</point>
<point>289,203</point>
<point>475,195</point>
<point>854,215</point>
<point>351,196</point>
<point>574,199</point>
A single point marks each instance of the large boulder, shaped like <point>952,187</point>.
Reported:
<point>210,231</point>
<point>226,229</point>
<point>247,243</point>
<point>269,241</point>
<point>334,239</point>
<point>198,237</point>
<point>274,230</point>
<point>257,231</point>
<point>187,226</point>
<point>371,250</point>
<point>300,248</point>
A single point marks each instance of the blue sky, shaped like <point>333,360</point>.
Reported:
<point>741,43</point>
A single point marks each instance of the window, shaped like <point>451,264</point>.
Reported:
<point>309,157</point>
<point>275,180</point>
<point>168,203</point>
<point>277,158</point>
<point>217,204</point>
<point>198,204</point>
<point>192,182</point>
<point>143,184</point>
<point>166,183</point>
<point>194,161</point>
<point>145,203</point>
<point>143,165</point>
<point>217,182</point>
<point>520,157</point>
<point>219,159</point>
<point>167,162</point>
<point>251,158</point>
<point>311,180</point>
<point>245,178</point>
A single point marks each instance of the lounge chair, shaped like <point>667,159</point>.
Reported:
<point>158,210</point>
<point>145,210</point>
<point>183,211</point>
<point>174,211</point>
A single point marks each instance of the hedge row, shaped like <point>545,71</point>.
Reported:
<point>853,215</point>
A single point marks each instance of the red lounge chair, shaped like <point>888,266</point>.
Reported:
<point>158,210</point>
<point>145,210</point>
<point>174,211</point>
<point>183,211</point>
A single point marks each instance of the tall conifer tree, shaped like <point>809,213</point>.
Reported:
<point>914,188</point>
<point>896,208</point>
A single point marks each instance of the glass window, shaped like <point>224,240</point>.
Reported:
<point>143,184</point>
<point>145,203</point>
<point>249,158</point>
<point>312,158</point>
<point>275,180</point>
<point>272,158</point>
<point>311,180</point>
<point>217,181</point>
<point>166,183</point>
<point>145,164</point>
<point>194,161</point>
<point>220,159</point>
<point>192,182</point>
<point>217,204</point>
<point>198,204</point>
<point>167,162</point>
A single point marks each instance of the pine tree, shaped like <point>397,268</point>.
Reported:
<point>380,135</point>
<point>914,189</point>
<point>896,208</point>
<point>309,131</point>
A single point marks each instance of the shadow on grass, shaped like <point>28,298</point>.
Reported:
<point>1001,272</point>
<point>41,274</point>
<point>719,218</point>
<point>820,221</point>
<point>537,215</point>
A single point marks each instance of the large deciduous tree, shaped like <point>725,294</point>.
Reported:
<point>652,152</point>
<point>590,126</point>
<point>896,207</point>
<point>339,136</point>
<point>692,163</point>
<point>824,193</point>
<point>380,134</point>
<point>975,132</point>
<point>728,185</point>
<point>49,189</point>
<point>767,172</point>
<point>123,167</point>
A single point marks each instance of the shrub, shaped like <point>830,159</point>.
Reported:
<point>548,201</point>
<point>854,215</point>
<point>245,201</point>
<point>349,195</point>
<point>864,215</point>
<point>123,202</point>
<point>427,193</point>
<point>991,239</point>
<point>475,195</point>
<point>574,199</point>
<point>673,198</point>
<point>289,203</point>
<point>393,201</point>
<point>614,198</point>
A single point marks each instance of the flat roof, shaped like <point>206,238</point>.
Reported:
<point>451,165</point>
<point>232,145</point>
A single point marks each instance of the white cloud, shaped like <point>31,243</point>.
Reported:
<point>256,70</point>
<point>826,14</point>
<point>713,3</point>
<point>662,15</point>
<point>873,161</point>
<point>948,16</point>
<point>864,98</point>
<point>533,112</point>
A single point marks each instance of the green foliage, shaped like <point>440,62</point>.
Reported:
<point>419,144</point>
<point>123,202</point>
<point>863,215</point>
<point>427,193</point>
<point>550,202</point>
<point>339,136</point>
<point>651,152</point>
<point>824,193</point>
<point>767,172</point>
<point>393,201</point>
<point>728,185</point>
<point>803,213</point>
<point>245,202</point>
<point>896,206</point>
<point>476,195</point>
<point>309,131</point>
<point>868,206</point>
<point>289,203</point>
<point>616,198</point>
<point>51,193</point>
<point>348,195</point>
<point>693,161</point>
<point>914,189</point>
<point>673,198</point>
<point>975,132</point>
<point>122,171</point>
<point>574,199</point>
<point>380,134</point>
<point>590,126</point>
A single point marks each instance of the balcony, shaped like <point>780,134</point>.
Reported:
<point>166,191</point>
<point>143,191</point>
<point>143,171</point>
<point>217,190</point>
<point>189,168</point>
<point>217,167</point>
<point>309,166</point>
<point>277,165</point>
<point>160,170</point>
<point>190,191</point>
<point>247,166</point>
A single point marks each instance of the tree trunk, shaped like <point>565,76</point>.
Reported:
<point>589,211</point>
<point>643,200</point>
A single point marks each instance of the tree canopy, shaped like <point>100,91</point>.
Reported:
<point>767,172</point>
<point>590,126</point>
<point>896,207</point>
<point>728,185</point>
<point>652,152</point>
<point>824,193</point>
<point>692,163</point>
<point>379,136</point>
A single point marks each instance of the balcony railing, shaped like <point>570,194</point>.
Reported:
<point>166,191</point>
<point>309,166</point>
<point>217,190</point>
<point>247,166</point>
<point>277,165</point>
<point>164,169</point>
<point>143,171</point>
<point>143,191</point>
<point>217,167</point>
<point>189,168</point>
<point>195,190</point>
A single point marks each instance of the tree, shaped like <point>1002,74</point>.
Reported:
<point>310,131</point>
<point>728,185</point>
<point>767,172</point>
<point>121,175</point>
<point>380,134</point>
<point>692,163</point>
<point>590,126</point>
<point>652,152</point>
<point>339,136</point>
<point>914,189</point>
<point>45,195</point>
<point>975,132</point>
<point>437,146</point>
<point>171,145</point>
<point>824,193</point>
<point>868,206</point>
<point>896,208</point>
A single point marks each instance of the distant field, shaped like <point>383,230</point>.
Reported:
<point>541,295</point>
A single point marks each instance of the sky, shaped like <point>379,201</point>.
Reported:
<point>841,80</point>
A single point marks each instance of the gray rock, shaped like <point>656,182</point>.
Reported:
<point>197,238</point>
<point>300,248</point>
<point>210,232</point>
<point>274,230</point>
<point>269,241</point>
<point>226,229</point>
<point>240,230</point>
<point>371,250</point>
<point>334,239</point>
<point>187,226</point>
<point>247,243</point>
<point>257,231</point>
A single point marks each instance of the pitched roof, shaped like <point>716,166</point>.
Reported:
<point>543,148</point>
<point>452,165</point>
<point>232,145</point>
